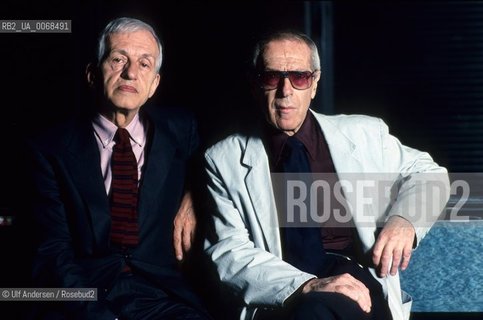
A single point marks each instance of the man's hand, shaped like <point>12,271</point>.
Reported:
<point>393,245</point>
<point>344,284</point>
<point>184,227</point>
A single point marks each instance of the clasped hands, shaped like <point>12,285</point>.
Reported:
<point>391,251</point>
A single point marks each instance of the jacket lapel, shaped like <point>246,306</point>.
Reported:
<point>343,151</point>
<point>158,157</point>
<point>83,160</point>
<point>347,162</point>
<point>350,167</point>
<point>259,185</point>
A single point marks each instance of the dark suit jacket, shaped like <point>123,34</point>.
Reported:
<point>71,206</point>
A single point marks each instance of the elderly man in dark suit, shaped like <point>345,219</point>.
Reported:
<point>108,188</point>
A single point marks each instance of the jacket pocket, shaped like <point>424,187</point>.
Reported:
<point>407,302</point>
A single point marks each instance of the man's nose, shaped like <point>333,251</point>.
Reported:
<point>130,71</point>
<point>286,86</point>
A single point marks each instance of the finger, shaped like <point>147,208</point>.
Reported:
<point>360,298</point>
<point>187,239</point>
<point>406,257</point>
<point>396,260</point>
<point>348,279</point>
<point>386,259</point>
<point>344,284</point>
<point>357,290</point>
<point>177,242</point>
<point>365,301</point>
<point>364,296</point>
<point>378,248</point>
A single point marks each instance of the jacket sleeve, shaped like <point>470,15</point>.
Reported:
<point>422,188</point>
<point>247,268</point>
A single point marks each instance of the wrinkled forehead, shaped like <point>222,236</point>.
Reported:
<point>141,40</point>
<point>286,54</point>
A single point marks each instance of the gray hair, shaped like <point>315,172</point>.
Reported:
<point>127,25</point>
<point>285,35</point>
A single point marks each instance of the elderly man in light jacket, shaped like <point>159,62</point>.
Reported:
<point>246,245</point>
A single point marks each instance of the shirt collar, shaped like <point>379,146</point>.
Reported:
<point>307,134</point>
<point>105,130</point>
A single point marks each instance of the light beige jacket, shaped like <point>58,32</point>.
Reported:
<point>247,252</point>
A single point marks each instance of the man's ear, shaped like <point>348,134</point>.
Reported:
<point>92,73</point>
<point>154,85</point>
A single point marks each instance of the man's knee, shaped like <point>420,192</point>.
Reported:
<point>326,305</point>
<point>312,306</point>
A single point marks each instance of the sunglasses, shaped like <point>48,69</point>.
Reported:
<point>300,80</point>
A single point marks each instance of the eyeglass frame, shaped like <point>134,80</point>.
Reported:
<point>286,74</point>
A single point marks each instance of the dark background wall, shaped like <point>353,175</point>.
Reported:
<point>416,64</point>
<point>419,65</point>
<point>203,66</point>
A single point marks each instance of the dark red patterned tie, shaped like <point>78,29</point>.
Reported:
<point>124,192</point>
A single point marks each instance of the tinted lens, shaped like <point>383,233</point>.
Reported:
<point>301,80</point>
<point>270,79</point>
